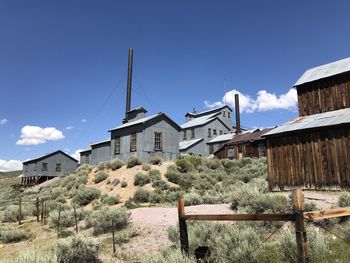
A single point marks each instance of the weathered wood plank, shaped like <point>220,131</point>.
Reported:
<point>330,213</point>
<point>241,217</point>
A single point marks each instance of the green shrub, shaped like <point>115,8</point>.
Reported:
<point>192,199</point>
<point>13,235</point>
<point>160,184</point>
<point>124,184</point>
<point>344,199</point>
<point>11,214</point>
<point>100,176</point>
<point>125,235</point>
<point>101,166</point>
<point>196,161</point>
<point>67,217</point>
<point>155,160</point>
<point>310,206</point>
<point>167,256</point>
<point>318,245</point>
<point>141,179</point>
<point>84,167</point>
<point>85,195</point>
<point>213,164</point>
<point>154,174</point>
<point>34,256</point>
<point>133,161</point>
<point>173,175</point>
<point>110,200</point>
<point>184,166</point>
<point>116,164</point>
<point>65,233</point>
<point>77,250</point>
<point>142,195</point>
<point>106,219</point>
<point>146,167</point>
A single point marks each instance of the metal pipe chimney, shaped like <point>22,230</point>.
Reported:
<point>238,117</point>
<point>129,84</point>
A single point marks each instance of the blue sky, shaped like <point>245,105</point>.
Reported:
<point>63,62</point>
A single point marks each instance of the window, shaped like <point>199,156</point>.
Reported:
<point>209,133</point>
<point>214,132</point>
<point>133,142</point>
<point>86,159</point>
<point>185,135</point>
<point>35,167</point>
<point>224,113</point>
<point>211,148</point>
<point>44,168</point>
<point>248,150</point>
<point>192,133</point>
<point>117,145</point>
<point>26,168</point>
<point>220,132</point>
<point>261,150</point>
<point>229,114</point>
<point>58,167</point>
<point>158,141</point>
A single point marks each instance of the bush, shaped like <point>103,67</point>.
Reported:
<point>141,179</point>
<point>11,214</point>
<point>116,164</point>
<point>192,199</point>
<point>133,161</point>
<point>124,184</point>
<point>67,218</point>
<point>100,176</point>
<point>184,166</point>
<point>213,164</point>
<point>124,236</point>
<point>146,167</point>
<point>77,250</point>
<point>318,245</point>
<point>106,219</point>
<point>196,161</point>
<point>101,166</point>
<point>85,195</point>
<point>155,160</point>
<point>110,200</point>
<point>13,235</point>
<point>344,199</point>
<point>168,255</point>
<point>34,256</point>
<point>142,195</point>
<point>173,175</point>
<point>160,184</point>
<point>154,174</point>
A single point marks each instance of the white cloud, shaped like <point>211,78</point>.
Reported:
<point>11,165</point>
<point>83,120</point>
<point>34,135</point>
<point>76,154</point>
<point>3,121</point>
<point>264,101</point>
<point>69,127</point>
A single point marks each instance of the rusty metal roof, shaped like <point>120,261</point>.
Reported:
<point>330,118</point>
<point>249,136</point>
<point>324,71</point>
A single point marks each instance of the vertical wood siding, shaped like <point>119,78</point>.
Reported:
<point>316,159</point>
<point>324,95</point>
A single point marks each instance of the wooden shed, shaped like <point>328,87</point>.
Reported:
<point>313,150</point>
<point>249,144</point>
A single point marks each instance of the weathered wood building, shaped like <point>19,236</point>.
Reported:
<point>48,166</point>
<point>248,144</point>
<point>313,150</point>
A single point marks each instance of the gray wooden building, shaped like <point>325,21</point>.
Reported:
<point>201,128</point>
<point>48,166</point>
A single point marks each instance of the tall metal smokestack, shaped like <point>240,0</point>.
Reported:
<point>238,117</point>
<point>129,84</point>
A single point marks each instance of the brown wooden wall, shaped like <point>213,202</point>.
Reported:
<point>315,159</point>
<point>324,95</point>
<point>247,150</point>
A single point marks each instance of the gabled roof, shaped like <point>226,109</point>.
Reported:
<point>330,118</point>
<point>222,138</point>
<point>101,142</point>
<point>145,120</point>
<point>49,155</point>
<point>256,135</point>
<point>85,151</point>
<point>200,120</point>
<point>198,114</point>
<point>183,145</point>
<point>324,71</point>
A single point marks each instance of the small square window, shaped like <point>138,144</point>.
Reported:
<point>192,133</point>
<point>44,167</point>
<point>221,132</point>
<point>185,135</point>
<point>229,114</point>
<point>58,167</point>
<point>214,132</point>
<point>224,113</point>
<point>209,132</point>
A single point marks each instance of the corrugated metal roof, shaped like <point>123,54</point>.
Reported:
<point>249,136</point>
<point>324,71</point>
<point>207,111</point>
<point>325,119</point>
<point>48,155</point>
<point>101,142</point>
<point>199,121</point>
<point>131,123</point>
<point>222,138</point>
<point>183,145</point>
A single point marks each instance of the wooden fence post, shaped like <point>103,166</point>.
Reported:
<point>183,226</point>
<point>37,209</point>
<point>20,210</point>
<point>300,232</point>
<point>45,213</point>
<point>113,241</point>
<point>59,218</point>
<point>76,219</point>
